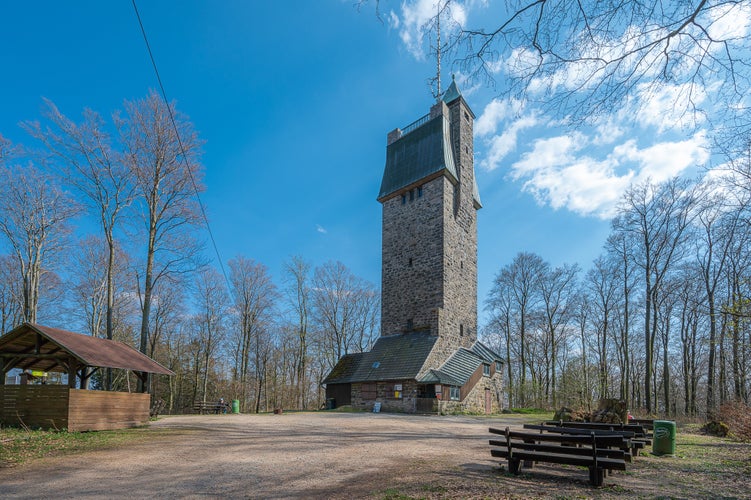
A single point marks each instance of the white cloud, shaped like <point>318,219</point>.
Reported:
<point>416,20</point>
<point>501,145</point>
<point>729,21</point>
<point>667,108</point>
<point>321,229</point>
<point>558,172</point>
<point>497,113</point>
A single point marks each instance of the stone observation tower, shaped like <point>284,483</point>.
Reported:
<point>428,353</point>
<point>430,201</point>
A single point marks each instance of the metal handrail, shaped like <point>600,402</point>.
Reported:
<point>415,124</point>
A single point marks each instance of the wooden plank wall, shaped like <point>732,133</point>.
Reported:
<point>34,406</point>
<point>101,410</point>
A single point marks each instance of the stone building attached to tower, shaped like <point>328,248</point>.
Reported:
<point>428,349</point>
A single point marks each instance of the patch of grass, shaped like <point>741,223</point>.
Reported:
<point>529,411</point>
<point>19,446</point>
<point>434,488</point>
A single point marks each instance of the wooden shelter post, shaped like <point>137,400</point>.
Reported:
<point>72,365</point>
<point>3,371</point>
<point>144,378</point>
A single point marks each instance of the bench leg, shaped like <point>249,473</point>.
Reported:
<point>514,466</point>
<point>596,476</point>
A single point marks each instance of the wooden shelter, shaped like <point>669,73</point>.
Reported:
<point>41,348</point>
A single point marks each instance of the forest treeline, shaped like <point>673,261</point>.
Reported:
<point>661,318</point>
<point>133,267</point>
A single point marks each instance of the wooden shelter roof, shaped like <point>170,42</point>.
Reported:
<point>37,347</point>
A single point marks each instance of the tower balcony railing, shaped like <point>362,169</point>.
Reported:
<point>415,124</point>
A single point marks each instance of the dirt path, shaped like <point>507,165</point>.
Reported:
<point>268,456</point>
<point>332,455</point>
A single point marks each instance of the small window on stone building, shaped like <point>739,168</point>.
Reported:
<point>466,116</point>
<point>486,369</point>
<point>466,149</point>
<point>410,325</point>
<point>454,394</point>
<point>411,195</point>
<point>419,192</point>
<point>461,265</point>
<point>461,330</point>
<point>404,199</point>
<point>410,262</point>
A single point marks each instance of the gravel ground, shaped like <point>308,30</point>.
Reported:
<point>337,455</point>
<point>304,455</point>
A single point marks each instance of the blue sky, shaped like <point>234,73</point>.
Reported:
<point>294,100</point>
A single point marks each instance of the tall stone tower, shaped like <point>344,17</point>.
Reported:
<point>430,201</point>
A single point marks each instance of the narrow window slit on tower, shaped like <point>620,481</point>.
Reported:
<point>410,262</point>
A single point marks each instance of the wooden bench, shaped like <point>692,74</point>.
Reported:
<point>594,451</point>
<point>209,407</point>
<point>647,423</point>
<point>641,436</point>
<point>626,445</point>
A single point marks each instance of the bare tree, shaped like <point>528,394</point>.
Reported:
<point>557,291</point>
<point>602,284</point>
<point>339,298</point>
<point>95,170</point>
<point>717,226</point>
<point>11,302</point>
<point>298,294</point>
<point>254,296</point>
<point>210,319</point>
<point>519,283</point>
<point>34,219</point>
<point>590,57</point>
<point>657,219</point>
<point>163,161</point>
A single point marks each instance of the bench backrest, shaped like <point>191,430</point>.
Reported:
<point>595,439</point>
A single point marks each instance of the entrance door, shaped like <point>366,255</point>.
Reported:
<point>488,402</point>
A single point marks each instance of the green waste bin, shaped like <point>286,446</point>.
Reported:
<point>663,440</point>
<point>330,404</point>
<point>235,406</point>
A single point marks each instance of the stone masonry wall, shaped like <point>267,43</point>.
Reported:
<point>412,271</point>
<point>458,319</point>
<point>385,394</point>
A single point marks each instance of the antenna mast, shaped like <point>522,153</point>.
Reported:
<point>440,6</point>
<point>438,52</point>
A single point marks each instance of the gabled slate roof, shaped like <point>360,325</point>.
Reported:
<point>37,347</point>
<point>458,369</point>
<point>345,369</point>
<point>439,377</point>
<point>486,353</point>
<point>394,357</point>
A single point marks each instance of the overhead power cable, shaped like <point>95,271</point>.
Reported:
<point>180,144</point>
